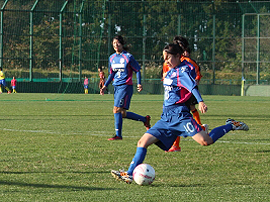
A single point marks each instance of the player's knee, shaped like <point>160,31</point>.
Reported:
<point>120,110</point>
<point>141,143</point>
<point>116,110</point>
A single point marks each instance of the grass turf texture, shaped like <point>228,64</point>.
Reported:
<point>57,150</point>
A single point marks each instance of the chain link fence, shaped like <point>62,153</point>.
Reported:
<point>65,40</point>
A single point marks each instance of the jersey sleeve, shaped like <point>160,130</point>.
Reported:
<point>197,70</point>
<point>138,75</point>
<point>185,79</point>
<point>109,80</point>
<point>197,95</point>
<point>134,64</point>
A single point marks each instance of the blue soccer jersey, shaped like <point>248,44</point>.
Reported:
<point>121,67</point>
<point>191,67</point>
<point>179,85</point>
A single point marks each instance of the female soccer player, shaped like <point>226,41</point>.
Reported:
<point>176,118</point>
<point>196,74</point>
<point>121,65</point>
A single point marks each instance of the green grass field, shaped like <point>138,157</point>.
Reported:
<point>55,148</point>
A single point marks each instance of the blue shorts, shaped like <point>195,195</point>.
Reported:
<point>3,82</point>
<point>175,121</point>
<point>85,86</point>
<point>122,96</point>
<point>13,87</point>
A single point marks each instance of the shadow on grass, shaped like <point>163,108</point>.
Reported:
<point>263,151</point>
<point>56,172</point>
<point>177,185</point>
<point>51,186</point>
<point>54,186</point>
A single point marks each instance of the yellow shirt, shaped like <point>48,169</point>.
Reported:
<point>2,75</point>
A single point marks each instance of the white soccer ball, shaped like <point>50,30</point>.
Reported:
<point>144,174</point>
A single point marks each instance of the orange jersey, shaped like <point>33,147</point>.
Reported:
<point>197,68</point>
<point>165,69</point>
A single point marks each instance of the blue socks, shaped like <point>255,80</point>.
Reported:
<point>138,159</point>
<point>118,121</point>
<point>218,132</point>
<point>137,117</point>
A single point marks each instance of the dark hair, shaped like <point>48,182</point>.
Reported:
<point>122,41</point>
<point>100,68</point>
<point>181,41</point>
<point>173,49</point>
<point>188,50</point>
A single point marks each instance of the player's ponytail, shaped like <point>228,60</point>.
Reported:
<point>181,41</point>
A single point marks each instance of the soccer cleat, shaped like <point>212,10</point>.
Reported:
<point>206,126</point>
<point>237,125</point>
<point>9,92</point>
<point>174,149</point>
<point>122,176</point>
<point>115,138</point>
<point>147,122</point>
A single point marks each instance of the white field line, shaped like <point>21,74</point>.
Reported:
<point>52,132</point>
<point>101,133</point>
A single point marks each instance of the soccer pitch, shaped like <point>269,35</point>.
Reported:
<point>54,148</point>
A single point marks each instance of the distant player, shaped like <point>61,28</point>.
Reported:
<point>85,85</point>
<point>121,66</point>
<point>3,81</point>
<point>101,78</point>
<point>176,118</point>
<point>13,85</point>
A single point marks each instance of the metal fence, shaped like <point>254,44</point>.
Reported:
<point>64,40</point>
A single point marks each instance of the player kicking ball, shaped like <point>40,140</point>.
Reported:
<point>176,119</point>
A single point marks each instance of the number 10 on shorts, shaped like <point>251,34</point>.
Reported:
<point>189,127</point>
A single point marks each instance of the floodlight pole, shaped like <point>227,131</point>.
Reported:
<point>214,43</point>
<point>258,43</point>
<point>60,40</point>
<point>243,39</point>
<point>144,41</point>
<point>31,42</point>
<point>179,18</point>
<point>109,29</point>
<point>258,50</point>
<point>80,35</point>
<point>243,44</point>
<point>1,33</point>
<point>243,56</point>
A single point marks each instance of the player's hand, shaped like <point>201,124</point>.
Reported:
<point>139,87</point>
<point>102,90</point>
<point>202,107</point>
